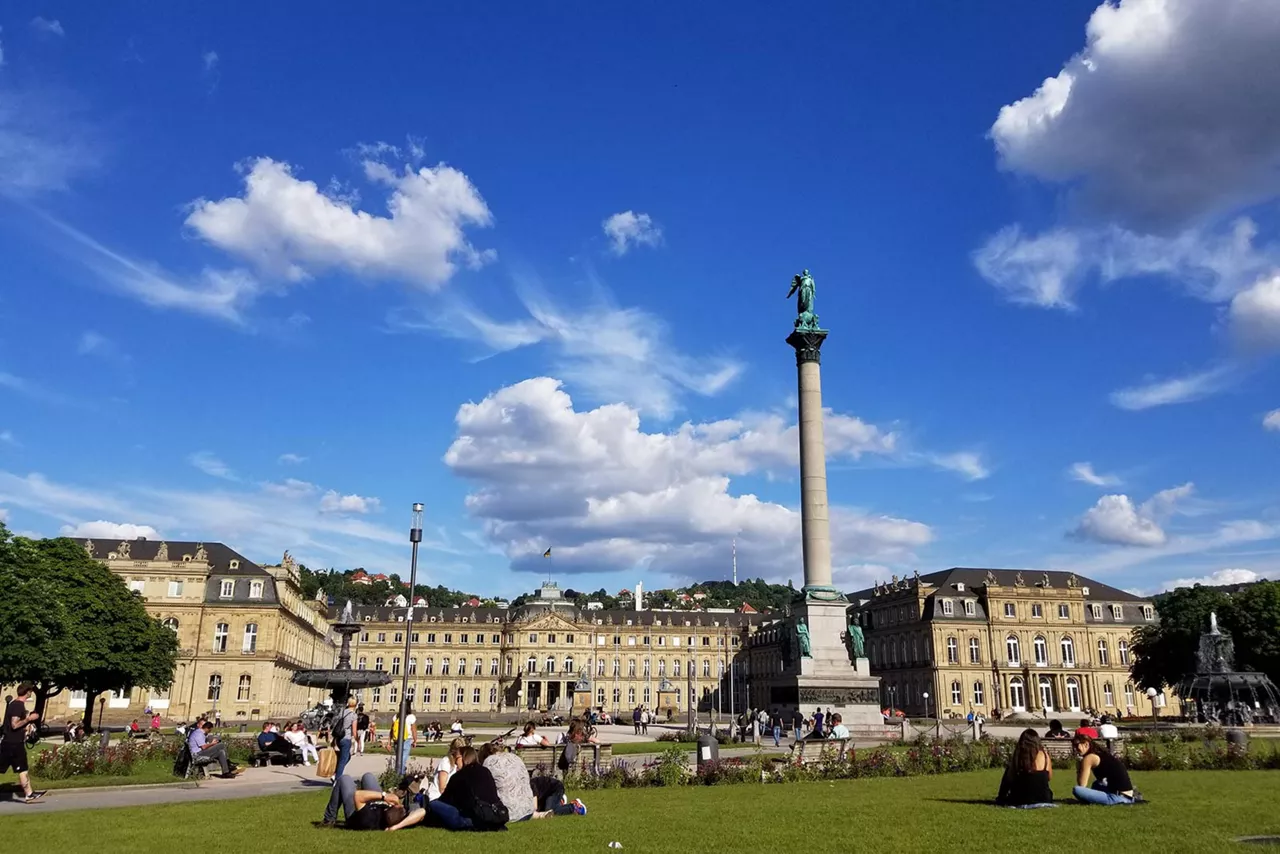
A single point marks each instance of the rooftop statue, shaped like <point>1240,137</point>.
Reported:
<point>806,319</point>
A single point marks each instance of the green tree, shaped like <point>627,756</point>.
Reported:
<point>1165,653</point>
<point>72,624</point>
<point>1253,618</point>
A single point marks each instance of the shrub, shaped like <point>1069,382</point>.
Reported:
<point>118,759</point>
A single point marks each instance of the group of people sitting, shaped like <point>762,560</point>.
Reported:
<point>469,789</point>
<point>1026,781</point>
<point>292,742</point>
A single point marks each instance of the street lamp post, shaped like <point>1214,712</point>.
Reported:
<point>1152,693</point>
<point>926,704</point>
<point>415,537</point>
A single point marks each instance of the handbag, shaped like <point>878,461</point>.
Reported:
<point>327,764</point>
<point>487,816</point>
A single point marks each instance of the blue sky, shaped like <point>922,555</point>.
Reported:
<point>270,277</point>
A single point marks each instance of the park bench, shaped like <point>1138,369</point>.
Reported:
<point>264,758</point>
<point>597,756</point>
<point>1058,748</point>
<point>812,750</point>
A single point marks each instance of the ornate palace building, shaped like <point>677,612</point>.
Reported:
<point>983,640</point>
<point>243,630</point>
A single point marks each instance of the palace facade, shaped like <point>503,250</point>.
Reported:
<point>987,640</point>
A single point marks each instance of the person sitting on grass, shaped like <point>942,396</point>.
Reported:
<point>1111,783</point>
<point>1056,732</point>
<point>530,738</point>
<point>469,802</point>
<point>516,790</point>
<point>446,768</point>
<point>365,806</point>
<point>1025,784</point>
<point>204,747</point>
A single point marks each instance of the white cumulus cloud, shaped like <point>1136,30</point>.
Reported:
<point>609,496</point>
<point>629,229</point>
<point>333,502</point>
<point>1116,520</point>
<point>1159,118</point>
<point>289,228</point>
<point>1220,578</point>
<point>1084,473</point>
<point>1271,421</point>
<point>110,530</point>
<point>1255,314</point>
<point>291,459</point>
<point>50,26</point>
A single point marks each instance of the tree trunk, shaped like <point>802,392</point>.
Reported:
<point>90,700</point>
<point>43,692</point>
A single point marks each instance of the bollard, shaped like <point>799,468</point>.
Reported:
<point>708,749</point>
<point>104,739</point>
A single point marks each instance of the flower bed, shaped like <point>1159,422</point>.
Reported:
<point>119,759</point>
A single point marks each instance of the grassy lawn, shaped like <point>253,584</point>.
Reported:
<point>1189,811</point>
<point>143,772</point>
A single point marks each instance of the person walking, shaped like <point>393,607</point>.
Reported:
<point>644,720</point>
<point>635,719</point>
<point>13,744</point>
<point>776,723</point>
<point>410,734</point>
<point>362,728</point>
<point>344,735</point>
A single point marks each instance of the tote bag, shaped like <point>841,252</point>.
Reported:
<point>327,766</point>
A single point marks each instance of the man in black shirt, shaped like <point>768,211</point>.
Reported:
<point>13,744</point>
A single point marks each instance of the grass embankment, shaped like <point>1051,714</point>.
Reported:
<point>1188,811</point>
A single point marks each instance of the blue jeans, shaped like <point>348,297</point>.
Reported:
<point>448,816</point>
<point>777,734</point>
<point>404,754</point>
<point>344,756</point>
<point>1103,799</point>
<point>343,794</point>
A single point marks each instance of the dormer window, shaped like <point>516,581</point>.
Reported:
<point>255,589</point>
<point>235,564</point>
<point>1097,611</point>
<point>948,608</point>
<point>1117,612</point>
<point>228,589</point>
<point>1148,613</point>
<point>970,608</point>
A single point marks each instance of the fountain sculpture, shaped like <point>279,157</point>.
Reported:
<point>342,680</point>
<point>1225,697</point>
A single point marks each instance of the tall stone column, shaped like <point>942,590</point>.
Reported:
<point>815,514</point>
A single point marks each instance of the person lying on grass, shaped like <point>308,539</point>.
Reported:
<point>1025,784</point>
<point>1111,786</point>
<point>365,806</point>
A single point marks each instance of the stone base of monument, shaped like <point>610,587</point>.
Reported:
<point>828,679</point>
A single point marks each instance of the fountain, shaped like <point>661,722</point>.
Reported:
<point>1222,696</point>
<point>342,680</point>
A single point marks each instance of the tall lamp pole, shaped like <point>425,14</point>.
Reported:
<point>415,537</point>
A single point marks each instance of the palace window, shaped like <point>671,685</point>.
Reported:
<point>171,624</point>
<point>463,638</point>
<point>493,696</point>
<point>617,696</point>
<point>953,651</point>
<point>462,667</point>
<point>377,695</point>
<point>568,638</point>
<point>631,667</point>
<point>475,696</point>
<point>413,638</point>
<point>631,696</point>
<point>398,638</point>
<point>220,632</point>
<point>255,589</point>
<point>1037,611</point>
<point>496,639</point>
<point>1017,693</point>
<point>948,608</point>
<point>426,694</point>
<point>1012,651</point>
<point>215,687</point>
<point>599,696</point>
<point>360,664</point>
<point>175,589</point>
<point>493,667</point>
<point>647,640</point>
<point>250,638</point>
<point>431,637</point>
<point>428,665</point>
<point>977,693</point>
<point>460,696</point>
<point>382,637</point>
<point>617,667</point>
<point>955,693</point>
<point>136,585</point>
<point>1064,611</point>
<point>1108,694</point>
<point>647,695</point>
<point>1123,648</point>
<point>551,638</point>
<point>228,589</point>
<point>477,669</point>
<point>531,664</point>
<point>1041,651</point>
<point>1128,694</point>
<point>675,668</point>
<point>364,637</point>
<point>377,664</point>
<point>507,665</point>
<point>1117,612</point>
<point>413,666</point>
<point>662,668</point>
<point>1010,611</point>
<point>568,664</point>
<point>242,690</point>
<point>1148,613</point>
<point>646,668</point>
<point>395,666</point>
<point>970,608</point>
<point>617,640</point>
<point>1095,610</point>
<point>444,666</point>
<point>410,694</point>
<point>599,666</point>
<point>975,651</point>
<point>1073,694</point>
<point>1104,655</point>
<point>706,668</point>
<point>631,640</point>
<point>448,637</point>
<point>551,664</point>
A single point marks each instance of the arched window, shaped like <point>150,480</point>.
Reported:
<point>599,666</point>
<point>361,663</point>
<point>975,651</point>
<point>245,687</point>
<point>508,664</point>
<point>1108,694</point>
<point>215,686</point>
<point>1068,652</point>
<point>1017,694</point>
<point>1046,693</point>
<point>493,696</point>
<point>568,664</point>
<point>617,696</point>
<point>647,668</point>
<point>395,665</point>
<point>551,664</point>
<point>599,696</point>
<point>647,695</point>
<point>1041,650</point>
<point>531,666</point>
<point>617,667</point>
<point>475,696</point>
<point>902,648</point>
<point>662,667</point>
<point>631,696</point>
<point>493,667</point>
<point>1123,648</point>
<point>1073,694</point>
<point>429,665</point>
<point>915,651</point>
<point>459,697</point>
<point>955,693</point>
<point>953,651</point>
<point>413,666</point>
<point>220,633</point>
<point>377,664</point>
<point>1104,655</point>
<point>675,667</point>
<point>444,666</point>
<point>1128,695</point>
<point>706,668</point>
<point>977,693</point>
<point>171,624</point>
<point>1012,650</point>
<point>631,667</point>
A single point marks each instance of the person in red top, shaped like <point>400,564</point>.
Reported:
<point>1087,728</point>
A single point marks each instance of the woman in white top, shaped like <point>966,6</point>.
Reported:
<point>531,738</point>
<point>297,736</point>
<point>455,728</point>
<point>445,769</point>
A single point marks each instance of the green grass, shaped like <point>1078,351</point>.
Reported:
<point>1189,811</point>
<point>157,771</point>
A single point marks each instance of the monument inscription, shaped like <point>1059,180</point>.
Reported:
<point>839,696</point>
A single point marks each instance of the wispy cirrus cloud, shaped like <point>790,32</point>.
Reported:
<point>1183,389</point>
<point>1084,473</point>
<point>210,464</point>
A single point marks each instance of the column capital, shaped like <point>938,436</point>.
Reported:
<point>807,344</point>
